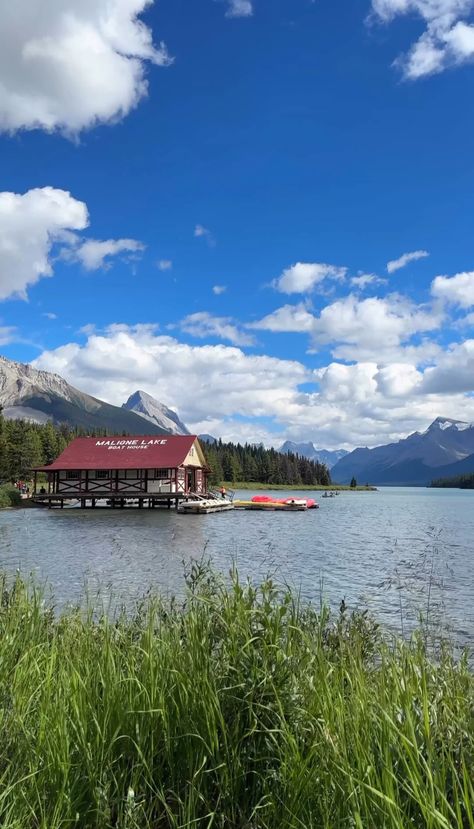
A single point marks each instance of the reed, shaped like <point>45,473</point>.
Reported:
<point>238,707</point>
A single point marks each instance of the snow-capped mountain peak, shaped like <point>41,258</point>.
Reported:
<point>146,406</point>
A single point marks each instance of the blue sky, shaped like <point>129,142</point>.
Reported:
<point>222,241</point>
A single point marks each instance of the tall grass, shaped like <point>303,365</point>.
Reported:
<point>238,708</point>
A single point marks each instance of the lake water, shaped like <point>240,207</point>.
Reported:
<point>396,551</point>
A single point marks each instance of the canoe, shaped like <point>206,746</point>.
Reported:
<point>267,499</point>
<point>289,505</point>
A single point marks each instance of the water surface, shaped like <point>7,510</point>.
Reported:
<point>396,551</point>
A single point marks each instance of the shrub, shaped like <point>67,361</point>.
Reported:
<point>9,496</point>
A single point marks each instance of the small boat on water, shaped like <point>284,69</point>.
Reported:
<point>204,504</point>
<point>287,505</point>
<point>267,499</point>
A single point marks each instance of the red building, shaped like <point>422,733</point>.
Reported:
<point>153,468</point>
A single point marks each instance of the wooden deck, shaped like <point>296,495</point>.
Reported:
<point>109,500</point>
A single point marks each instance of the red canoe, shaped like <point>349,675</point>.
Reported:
<point>265,499</point>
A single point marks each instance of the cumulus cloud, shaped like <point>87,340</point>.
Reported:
<point>94,254</point>
<point>457,290</point>
<point>304,276</point>
<point>405,259</point>
<point>372,326</point>
<point>362,329</point>
<point>30,224</point>
<point>71,64</point>
<point>219,289</point>
<point>38,226</point>
<point>448,39</point>
<point>50,316</point>
<point>202,325</point>
<point>453,373</point>
<point>261,397</point>
<point>239,8</point>
<point>287,319</point>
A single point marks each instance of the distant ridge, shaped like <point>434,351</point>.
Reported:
<point>446,448</point>
<point>308,450</point>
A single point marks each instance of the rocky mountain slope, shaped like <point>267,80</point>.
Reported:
<point>308,450</point>
<point>445,448</point>
<point>155,412</point>
<point>40,396</point>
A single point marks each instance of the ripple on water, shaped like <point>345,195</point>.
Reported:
<point>367,547</point>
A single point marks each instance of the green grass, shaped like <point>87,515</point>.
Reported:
<point>239,709</point>
<point>297,487</point>
<point>9,496</point>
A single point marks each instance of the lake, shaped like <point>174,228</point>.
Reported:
<point>396,551</point>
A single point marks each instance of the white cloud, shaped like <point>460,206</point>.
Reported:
<point>203,324</point>
<point>288,319</point>
<point>8,334</point>
<point>458,289</point>
<point>239,8</point>
<point>71,64</point>
<point>373,323</point>
<point>50,316</point>
<point>201,232</point>
<point>219,289</point>
<point>405,259</point>
<point>226,392</point>
<point>164,265</point>
<point>95,253</point>
<point>369,329</point>
<point>30,224</point>
<point>304,276</point>
<point>363,280</point>
<point>453,372</point>
<point>447,40</point>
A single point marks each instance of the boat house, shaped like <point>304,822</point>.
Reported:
<point>156,470</point>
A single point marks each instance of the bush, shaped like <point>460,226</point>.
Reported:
<point>239,709</point>
<point>9,496</point>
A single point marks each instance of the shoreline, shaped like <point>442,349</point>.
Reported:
<point>298,487</point>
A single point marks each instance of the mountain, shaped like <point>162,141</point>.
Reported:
<point>26,393</point>
<point>444,448</point>
<point>207,438</point>
<point>155,412</point>
<point>308,450</point>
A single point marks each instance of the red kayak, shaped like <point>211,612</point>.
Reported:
<point>266,499</point>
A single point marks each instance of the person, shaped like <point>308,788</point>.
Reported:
<point>42,491</point>
<point>223,492</point>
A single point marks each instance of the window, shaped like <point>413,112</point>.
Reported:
<point>72,475</point>
<point>162,474</point>
<point>132,474</point>
<point>102,473</point>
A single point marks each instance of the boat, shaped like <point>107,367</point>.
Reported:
<point>265,499</point>
<point>287,505</point>
<point>204,504</point>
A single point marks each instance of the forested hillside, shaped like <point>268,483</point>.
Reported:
<point>234,462</point>
<point>458,482</point>
<point>24,445</point>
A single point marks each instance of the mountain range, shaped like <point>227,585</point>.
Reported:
<point>308,450</point>
<point>40,396</point>
<point>445,449</point>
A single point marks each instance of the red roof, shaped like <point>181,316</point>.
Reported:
<point>144,452</point>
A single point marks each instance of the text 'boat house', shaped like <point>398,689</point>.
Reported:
<point>156,470</point>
